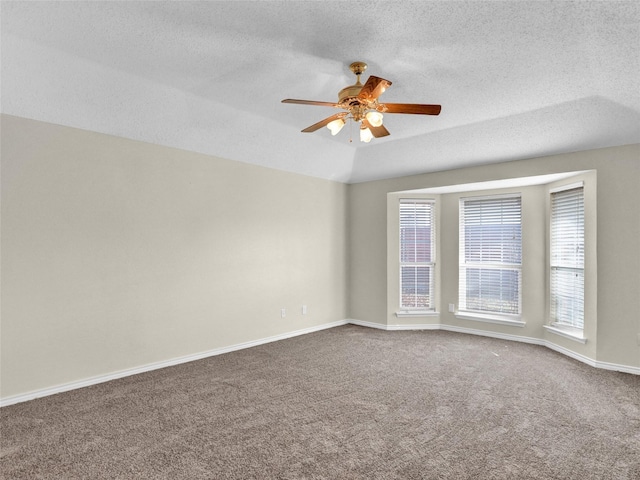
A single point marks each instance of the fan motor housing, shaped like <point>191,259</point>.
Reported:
<point>348,92</point>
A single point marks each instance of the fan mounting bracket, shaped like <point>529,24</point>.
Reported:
<point>358,68</point>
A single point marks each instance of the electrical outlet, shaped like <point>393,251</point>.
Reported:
<point>304,309</point>
<point>283,312</point>
<point>452,308</point>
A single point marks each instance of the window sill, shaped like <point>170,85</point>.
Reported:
<point>498,319</point>
<point>417,313</point>
<point>571,333</point>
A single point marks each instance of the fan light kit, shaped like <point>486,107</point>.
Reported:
<point>361,105</point>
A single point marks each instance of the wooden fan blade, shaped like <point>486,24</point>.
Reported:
<point>414,108</point>
<point>374,87</point>
<point>376,131</point>
<point>325,122</point>
<point>310,102</point>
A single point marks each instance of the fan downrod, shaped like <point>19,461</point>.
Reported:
<point>350,92</point>
<point>358,69</point>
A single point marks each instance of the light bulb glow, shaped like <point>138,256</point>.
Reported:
<point>365,135</point>
<point>335,126</point>
<point>374,118</point>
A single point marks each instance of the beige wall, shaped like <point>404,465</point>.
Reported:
<point>612,314</point>
<point>117,254</point>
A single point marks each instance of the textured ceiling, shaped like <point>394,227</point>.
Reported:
<point>515,79</point>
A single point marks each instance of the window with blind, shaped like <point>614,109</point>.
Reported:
<point>417,254</point>
<point>567,256</point>
<point>490,255</point>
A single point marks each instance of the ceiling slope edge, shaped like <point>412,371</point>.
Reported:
<point>49,85</point>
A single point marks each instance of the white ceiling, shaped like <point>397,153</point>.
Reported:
<point>516,79</point>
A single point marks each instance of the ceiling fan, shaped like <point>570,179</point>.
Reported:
<point>361,105</point>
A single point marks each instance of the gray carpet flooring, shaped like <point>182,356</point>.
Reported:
<point>344,403</point>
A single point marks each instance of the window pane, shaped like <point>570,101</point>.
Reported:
<point>416,232</point>
<point>567,228</point>
<point>567,301</point>
<point>492,290</point>
<point>492,231</point>
<point>416,288</point>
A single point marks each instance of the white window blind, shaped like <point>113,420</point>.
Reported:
<point>490,255</point>
<point>567,257</point>
<point>417,254</point>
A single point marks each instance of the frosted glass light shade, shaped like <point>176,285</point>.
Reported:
<point>374,118</point>
<point>335,126</point>
<point>365,135</point>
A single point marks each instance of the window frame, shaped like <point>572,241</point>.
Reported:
<point>572,328</point>
<point>431,264</point>
<point>493,316</point>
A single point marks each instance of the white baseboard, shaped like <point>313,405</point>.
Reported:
<point>503,336</point>
<point>569,353</point>
<point>485,333</point>
<point>218,351</point>
<point>380,326</point>
<point>162,364</point>
<point>408,326</point>
<point>618,368</point>
<point>363,323</point>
